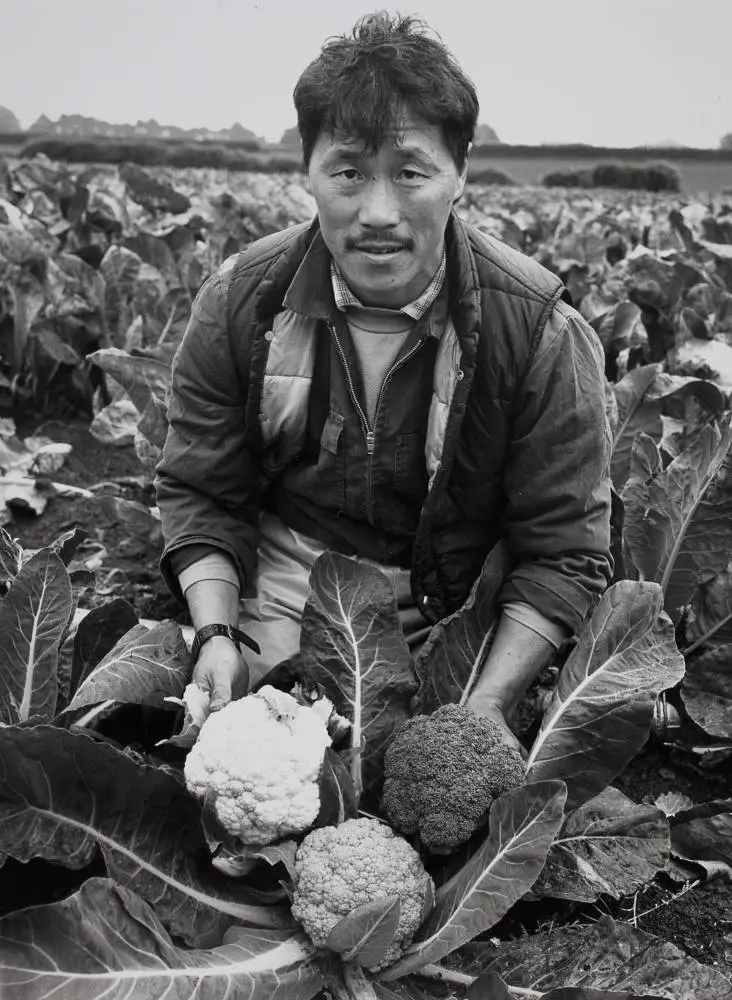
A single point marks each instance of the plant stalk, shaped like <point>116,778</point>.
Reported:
<point>434,971</point>
<point>356,774</point>
<point>358,985</point>
<point>168,325</point>
<point>480,658</point>
<point>706,636</point>
<point>86,721</point>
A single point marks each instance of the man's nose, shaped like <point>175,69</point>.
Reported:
<point>380,206</point>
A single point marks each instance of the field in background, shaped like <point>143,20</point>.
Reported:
<point>702,170</point>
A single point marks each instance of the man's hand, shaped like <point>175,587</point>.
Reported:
<point>481,705</point>
<point>222,671</point>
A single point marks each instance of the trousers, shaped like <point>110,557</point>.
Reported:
<point>272,614</point>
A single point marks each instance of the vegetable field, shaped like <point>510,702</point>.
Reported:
<point>602,873</point>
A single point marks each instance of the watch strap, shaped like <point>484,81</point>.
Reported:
<point>231,631</point>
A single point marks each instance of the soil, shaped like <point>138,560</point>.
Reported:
<point>698,920</point>
<point>130,556</point>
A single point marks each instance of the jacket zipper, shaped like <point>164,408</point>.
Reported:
<point>369,434</point>
<point>351,388</point>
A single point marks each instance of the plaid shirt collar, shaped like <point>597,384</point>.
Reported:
<point>344,297</point>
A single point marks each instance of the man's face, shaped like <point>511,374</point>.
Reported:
<point>383,215</point>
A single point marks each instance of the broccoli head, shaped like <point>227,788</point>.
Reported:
<point>441,773</point>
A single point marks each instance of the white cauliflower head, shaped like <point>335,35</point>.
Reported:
<point>339,868</point>
<point>260,759</point>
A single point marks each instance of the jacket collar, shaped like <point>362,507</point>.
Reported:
<point>309,291</point>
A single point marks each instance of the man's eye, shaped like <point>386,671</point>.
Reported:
<point>349,174</point>
<point>412,175</point>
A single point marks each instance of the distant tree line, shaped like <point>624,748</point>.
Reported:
<point>82,126</point>
<point>8,121</point>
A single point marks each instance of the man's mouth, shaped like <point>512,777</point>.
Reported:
<point>379,249</point>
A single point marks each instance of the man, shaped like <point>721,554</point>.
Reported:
<point>389,383</point>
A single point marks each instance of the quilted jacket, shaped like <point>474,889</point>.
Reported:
<point>516,447</point>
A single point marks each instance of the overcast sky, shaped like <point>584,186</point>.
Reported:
<point>607,72</point>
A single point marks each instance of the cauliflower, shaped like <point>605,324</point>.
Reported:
<point>339,868</point>
<point>441,773</point>
<point>259,761</point>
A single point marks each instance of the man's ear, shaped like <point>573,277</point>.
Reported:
<point>462,177</point>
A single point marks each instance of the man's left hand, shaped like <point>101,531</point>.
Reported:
<point>487,707</point>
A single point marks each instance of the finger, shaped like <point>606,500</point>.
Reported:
<point>221,694</point>
<point>202,680</point>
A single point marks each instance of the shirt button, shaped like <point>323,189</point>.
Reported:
<point>425,601</point>
<point>459,374</point>
<point>269,335</point>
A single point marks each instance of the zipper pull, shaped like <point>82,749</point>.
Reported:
<point>370,443</point>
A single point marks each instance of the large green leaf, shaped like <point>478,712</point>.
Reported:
<point>620,328</point>
<point>678,532</point>
<point>105,943</point>
<point>26,295</point>
<point>704,832</point>
<point>140,375</point>
<point>606,955</point>
<point>522,825</point>
<point>710,616</point>
<point>600,713</point>
<point>490,985</point>
<point>608,846</point>
<point>11,559</point>
<point>143,664</point>
<point>119,268</point>
<point>156,252</point>
<point>33,618</point>
<point>646,394</point>
<point>62,794</point>
<point>97,634</point>
<point>579,993</point>
<point>352,644</point>
<point>707,691</point>
<point>452,657</point>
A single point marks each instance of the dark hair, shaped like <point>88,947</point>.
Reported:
<point>361,84</point>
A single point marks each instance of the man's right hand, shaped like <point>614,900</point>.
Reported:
<point>222,671</point>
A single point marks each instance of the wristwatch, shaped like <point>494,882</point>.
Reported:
<point>233,633</point>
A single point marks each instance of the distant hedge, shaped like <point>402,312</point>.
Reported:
<point>615,174</point>
<point>151,153</point>
<point>161,154</point>
<point>582,151</point>
<point>490,175</point>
